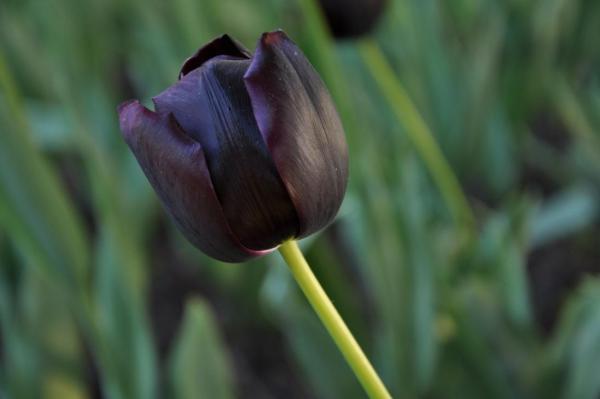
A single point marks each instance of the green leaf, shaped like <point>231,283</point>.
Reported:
<point>20,363</point>
<point>49,126</point>
<point>564,214</point>
<point>123,340</point>
<point>34,208</point>
<point>198,366</point>
<point>576,345</point>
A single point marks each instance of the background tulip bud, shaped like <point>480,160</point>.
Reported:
<point>244,151</point>
<point>352,18</point>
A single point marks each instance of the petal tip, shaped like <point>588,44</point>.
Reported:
<point>131,113</point>
<point>273,38</point>
<point>266,43</point>
<point>121,108</point>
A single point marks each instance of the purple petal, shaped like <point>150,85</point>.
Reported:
<point>175,166</point>
<point>212,106</point>
<point>301,127</point>
<point>223,45</point>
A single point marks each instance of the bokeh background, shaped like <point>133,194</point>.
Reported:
<point>465,257</point>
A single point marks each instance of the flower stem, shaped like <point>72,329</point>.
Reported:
<point>332,320</point>
<point>418,133</point>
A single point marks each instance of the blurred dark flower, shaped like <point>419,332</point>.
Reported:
<point>352,18</point>
<point>244,151</point>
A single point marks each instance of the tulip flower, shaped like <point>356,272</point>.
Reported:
<point>245,151</point>
<point>352,18</point>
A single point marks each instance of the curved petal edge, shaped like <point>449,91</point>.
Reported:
<point>298,121</point>
<point>223,45</point>
<point>176,167</point>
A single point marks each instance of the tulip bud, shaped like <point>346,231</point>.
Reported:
<point>245,151</point>
<point>352,18</point>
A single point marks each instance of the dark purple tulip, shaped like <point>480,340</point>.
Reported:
<point>352,18</point>
<point>244,151</point>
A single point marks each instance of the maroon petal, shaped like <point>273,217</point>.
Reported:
<point>223,45</point>
<point>212,106</point>
<point>299,123</point>
<point>175,166</point>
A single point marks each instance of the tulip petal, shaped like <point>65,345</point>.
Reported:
<point>176,167</point>
<point>298,121</point>
<point>212,106</point>
<point>224,45</point>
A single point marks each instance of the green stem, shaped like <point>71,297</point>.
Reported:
<point>332,320</point>
<point>419,134</point>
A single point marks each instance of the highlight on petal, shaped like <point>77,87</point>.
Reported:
<point>298,121</point>
<point>224,45</point>
<point>176,167</point>
<point>212,106</point>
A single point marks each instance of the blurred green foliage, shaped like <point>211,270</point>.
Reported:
<point>466,116</point>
